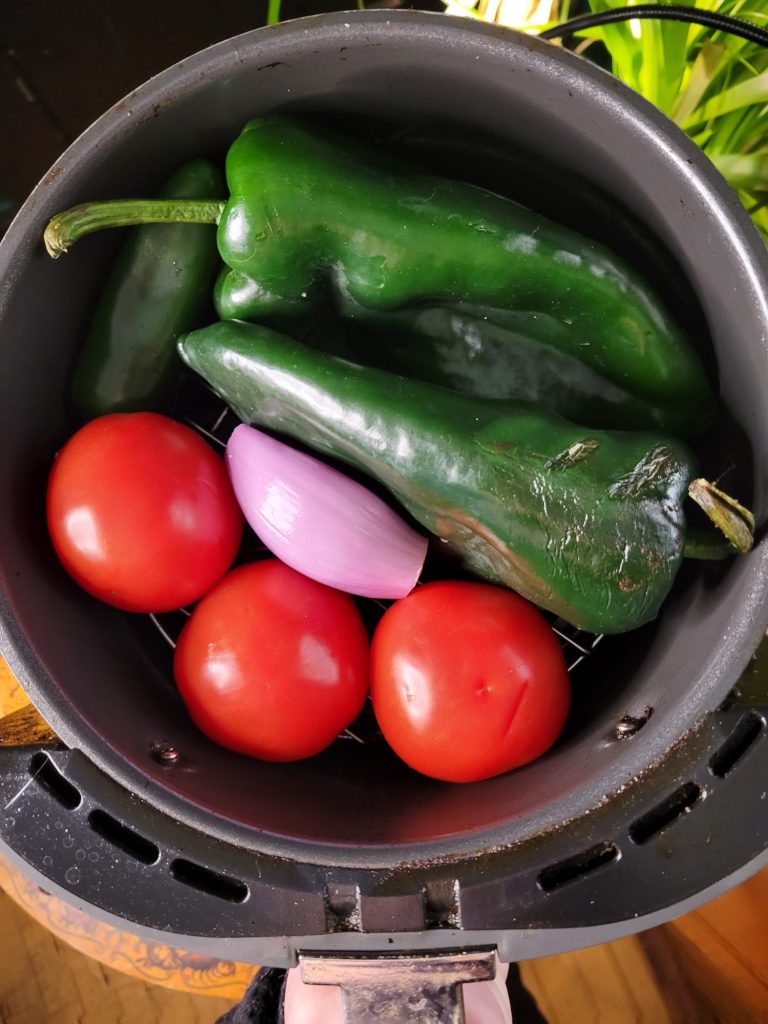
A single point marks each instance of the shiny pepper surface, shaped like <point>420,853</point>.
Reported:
<point>512,357</point>
<point>312,215</point>
<point>587,524</point>
<point>309,210</point>
<point>158,288</point>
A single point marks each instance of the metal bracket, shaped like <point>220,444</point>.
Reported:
<point>418,988</point>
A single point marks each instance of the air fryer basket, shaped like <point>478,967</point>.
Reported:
<point>654,794</point>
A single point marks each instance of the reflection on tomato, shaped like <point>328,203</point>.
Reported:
<point>273,664</point>
<point>141,512</point>
<point>467,680</point>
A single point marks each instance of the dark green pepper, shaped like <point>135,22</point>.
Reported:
<point>463,349</point>
<point>305,205</point>
<point>588,524</point>
<point>158,288</point>
<point>308,209</point>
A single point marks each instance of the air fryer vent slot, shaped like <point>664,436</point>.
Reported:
<point>663,814</point>
<point>746,731</point>
<point>342,908</point>
<point>123,838</point>
<point>48,777</point>
<point>580,864</point>
<point>207,881</point>
<point>441,903</point>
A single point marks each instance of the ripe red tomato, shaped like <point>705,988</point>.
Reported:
<point>141,512</point>
<point>467,680</point>
<point>273,664</point>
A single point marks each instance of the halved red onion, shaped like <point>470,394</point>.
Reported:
<point>319,521</point>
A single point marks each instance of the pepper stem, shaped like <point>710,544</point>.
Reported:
<point>66,228</point>
<point>706,547</point>
<point>732,519</point>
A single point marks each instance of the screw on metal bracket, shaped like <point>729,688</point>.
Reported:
<point>418,988</point>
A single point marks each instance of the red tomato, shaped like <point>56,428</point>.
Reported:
<point>467,680</point>
<point>142,513</point>
<point>273,664</point>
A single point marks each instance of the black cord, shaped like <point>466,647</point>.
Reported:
<point>663,12</point>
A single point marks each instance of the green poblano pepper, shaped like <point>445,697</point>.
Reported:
<point>158,288</point>
<point>587,524</point>
<point>512,357</point>
<point>306,206</point>
<point>309,210</point>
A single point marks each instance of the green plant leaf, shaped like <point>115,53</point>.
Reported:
<point>714,84</point>
<point>743,94</point>
<point>670,41</point>
<point>758,211</point>
<point>744,170</point>
<point>702,72</point>
<point>273,12</point>
<point>465,8</point>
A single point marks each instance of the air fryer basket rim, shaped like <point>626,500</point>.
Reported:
<point>512,945</point>
<point>595,90</point>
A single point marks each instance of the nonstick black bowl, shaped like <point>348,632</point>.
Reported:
<point>216,846</point>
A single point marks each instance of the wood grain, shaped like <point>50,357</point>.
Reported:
<point>45,981</point>
<point>12,697</point>
<point>150,962</point>
<point>608,983</point>
<point>25,727</point>
<point>722,949</point>
<point>20,723</point>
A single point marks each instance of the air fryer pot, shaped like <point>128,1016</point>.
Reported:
<point>653,800</point>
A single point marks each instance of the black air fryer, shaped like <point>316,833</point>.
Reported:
<point>654,799</point>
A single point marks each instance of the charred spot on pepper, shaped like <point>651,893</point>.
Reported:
<point>627,584</point>
<point>650,470</point>
<point>577,452</point>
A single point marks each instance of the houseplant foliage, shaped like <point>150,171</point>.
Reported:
<point>712,84</point>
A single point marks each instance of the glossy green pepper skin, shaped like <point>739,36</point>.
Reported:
<point>312,214</point>
<point>158,288</point>
<point>588,524</point>
<point>309,210</point>
<point>239,297</point>
<point>463,349</point>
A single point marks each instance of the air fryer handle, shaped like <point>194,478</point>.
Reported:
<point>421,988</point>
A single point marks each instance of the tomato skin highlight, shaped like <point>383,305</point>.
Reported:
<point>273,664</point>
<point>141,512</point>
<point>468,681</point>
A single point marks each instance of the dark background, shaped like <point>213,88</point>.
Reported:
<point>64,62</point>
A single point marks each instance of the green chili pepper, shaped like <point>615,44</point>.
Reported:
<point>309,210</point>
<point>463,349</point>
<point>157,289</point>
<point>588,524</point>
